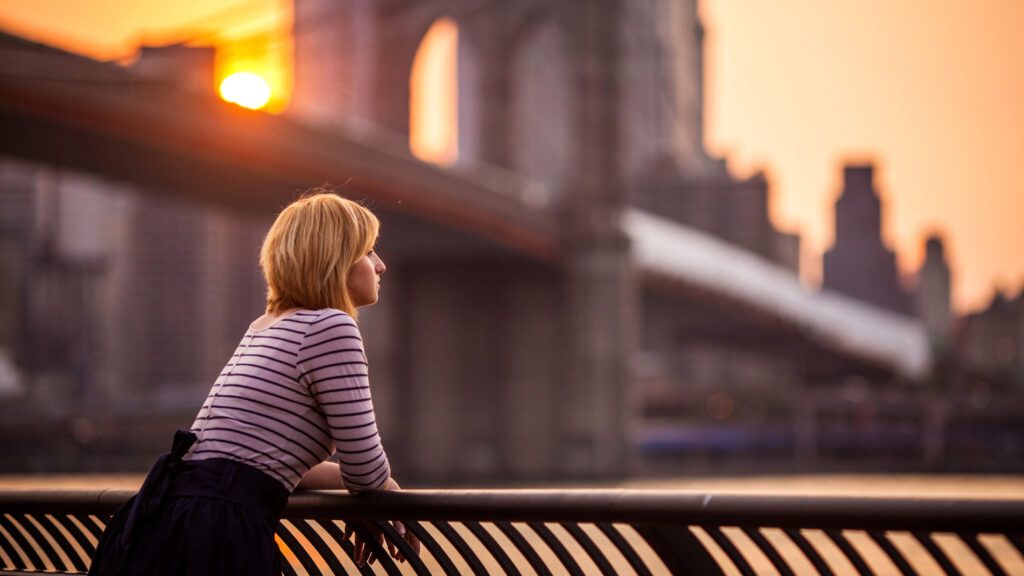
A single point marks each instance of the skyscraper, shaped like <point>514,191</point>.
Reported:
<point>933,292</point>
<point>859,264</point>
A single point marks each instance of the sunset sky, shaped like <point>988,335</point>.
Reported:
<point>932,91</point>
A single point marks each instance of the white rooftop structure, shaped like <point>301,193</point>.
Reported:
<point>694,258</point>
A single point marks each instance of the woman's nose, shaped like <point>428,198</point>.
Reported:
<point>380,267</point>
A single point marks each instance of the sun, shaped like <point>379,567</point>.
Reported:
<point>245,89</point>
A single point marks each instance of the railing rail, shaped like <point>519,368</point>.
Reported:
<point>579,532</point>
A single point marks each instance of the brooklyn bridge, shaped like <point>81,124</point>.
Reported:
<point>584,293</point>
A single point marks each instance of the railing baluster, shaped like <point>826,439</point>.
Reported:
<point>809,552</point>
<point>625,549</point>
<point>76,553</point>
<point>460,545</point>
<point>679,549</point>
<point>411,557</point>
<point>431,544</point>
<point>557,547</point>
<point>524,547</point>
<point>100,525</point>
<point>925,538</point>
<point>849,551</point>
<point>588,545</point>
<point>1018,542</point>
<point>18,534</point>
<point>376,548</point>
<point>287,569</point>
<point>6,562</point>
<point>347,547</point>
<point>725,543</point>
<point>892,552</point>
<point>982,553</point>
<point>91,537</point>
<point>414,560</point>
<point>492,546</point>
<point>10,548</point>
<point>306,529</point>
<point>769,550</point>
<point>296,548</point>
<point>49,543</point>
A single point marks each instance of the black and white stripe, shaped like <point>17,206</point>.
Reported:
<point>287,394</point>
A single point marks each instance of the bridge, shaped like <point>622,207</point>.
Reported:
<point>493,279</point>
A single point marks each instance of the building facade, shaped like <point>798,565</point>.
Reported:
<point>933,298</point>
<point>990,340</point>
<point>859,264</point>
<point>118,302</point>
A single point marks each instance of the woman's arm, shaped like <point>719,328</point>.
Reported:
<point>323,476</point>
<point>327,476</point>
<point>332,363</point>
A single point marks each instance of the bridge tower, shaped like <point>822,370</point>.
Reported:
<point>580,96</point>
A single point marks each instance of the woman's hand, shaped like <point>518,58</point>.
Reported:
<point>363,531</point>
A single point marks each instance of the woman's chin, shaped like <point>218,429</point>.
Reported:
<point>367,301</point>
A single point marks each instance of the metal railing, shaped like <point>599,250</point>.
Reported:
<point>578,532</point>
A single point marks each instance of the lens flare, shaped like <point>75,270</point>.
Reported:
<point>245,89</point>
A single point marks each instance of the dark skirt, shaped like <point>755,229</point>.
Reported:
<point>198,517</point>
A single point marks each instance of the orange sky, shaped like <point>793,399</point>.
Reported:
<point>252,34</point>
<point>932,90</point>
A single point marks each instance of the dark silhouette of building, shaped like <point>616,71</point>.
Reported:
<point>991,339</point>
<point>717,203</point>
<point>932,293</point>
<point>112,291</point>
<point>859,264</point>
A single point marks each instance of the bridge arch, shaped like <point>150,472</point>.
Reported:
<point>434,94</point>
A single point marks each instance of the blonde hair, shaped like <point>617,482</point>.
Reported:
<point>310,248</point>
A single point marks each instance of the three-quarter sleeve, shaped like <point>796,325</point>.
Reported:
<point>332,363</point>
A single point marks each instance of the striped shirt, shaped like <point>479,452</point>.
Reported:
<point>289,393</point>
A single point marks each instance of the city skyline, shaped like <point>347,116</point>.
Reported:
<point>772,104</point>
<point>931,93</point>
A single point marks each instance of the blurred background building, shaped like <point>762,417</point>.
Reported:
<point>859,264</point>
<point>576,290</point>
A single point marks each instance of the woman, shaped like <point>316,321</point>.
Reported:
<point>295,386</point>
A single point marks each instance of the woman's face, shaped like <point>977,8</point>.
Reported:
<point>364,279</point>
